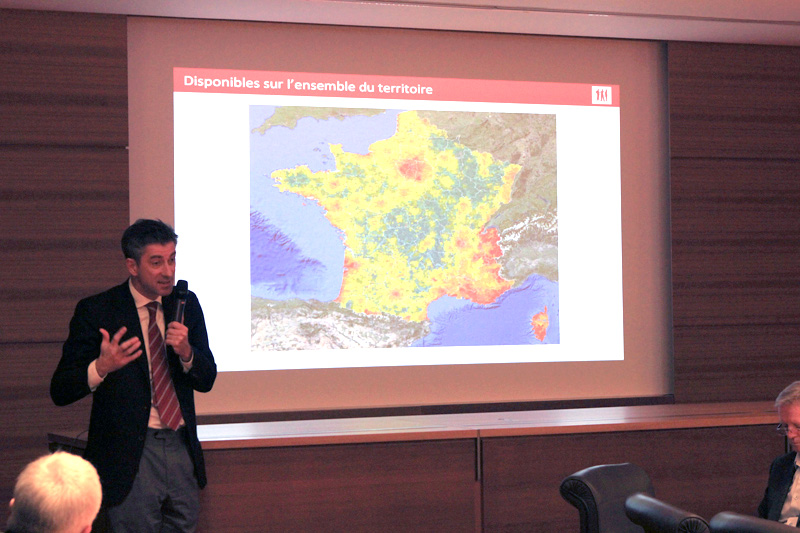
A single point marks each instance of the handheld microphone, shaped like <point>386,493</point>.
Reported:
<point>181,290</point>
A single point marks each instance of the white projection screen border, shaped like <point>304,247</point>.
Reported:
<point>157,46</point>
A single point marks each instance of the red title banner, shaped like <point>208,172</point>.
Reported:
<point>200,80</point>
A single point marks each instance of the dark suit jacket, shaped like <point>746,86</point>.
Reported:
<point>781,474</point>
<point>121,403</point>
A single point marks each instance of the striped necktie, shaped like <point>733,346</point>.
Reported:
<point>164,397</point>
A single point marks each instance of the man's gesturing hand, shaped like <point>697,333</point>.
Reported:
<point>113,354</point>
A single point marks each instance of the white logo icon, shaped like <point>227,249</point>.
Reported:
<point>601,95</point>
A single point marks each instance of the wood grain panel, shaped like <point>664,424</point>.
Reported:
<point>734,101</point>
<point>63,206</point>
<point>27,412</point>
<point>690,468</point>
<point>724,302</point>
<point>68,209</point>
<point>735,219</point>
<point>732,200</point>
<point>745,362</point>
<point>413,486</point>
<point>736,242</point>
<point>63,79</point>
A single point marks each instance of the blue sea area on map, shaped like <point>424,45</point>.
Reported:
<point>458,322</point>
<point>294,251</point>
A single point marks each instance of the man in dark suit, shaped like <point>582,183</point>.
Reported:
<point>782,497</point>
<point>146,451</point>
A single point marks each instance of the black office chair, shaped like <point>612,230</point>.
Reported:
<point>599,493</point>
<point>656,516</point>
<point>729,522</point>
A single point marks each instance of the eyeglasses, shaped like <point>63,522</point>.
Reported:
<point>784,429</point>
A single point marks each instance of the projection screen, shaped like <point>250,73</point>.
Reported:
<point>383,218</point>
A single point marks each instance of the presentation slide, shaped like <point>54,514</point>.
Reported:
<point>388,221</point>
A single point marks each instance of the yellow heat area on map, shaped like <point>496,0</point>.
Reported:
<point>382,203</point>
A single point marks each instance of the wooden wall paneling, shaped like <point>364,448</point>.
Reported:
<point>404,486</point>
<point>734,101</point>
<point>691,468</point>
<point>735,219</point>
<point>68,208</point>
<point>27,412</point>
<point>64,79</point>
<point>63,206</point>
<point>736,241</point>
<point>748,210</point>
<point>746,362</point>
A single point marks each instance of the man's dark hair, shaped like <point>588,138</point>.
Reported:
<point>144,232</point>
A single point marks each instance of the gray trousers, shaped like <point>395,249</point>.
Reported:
<point>165,497</point>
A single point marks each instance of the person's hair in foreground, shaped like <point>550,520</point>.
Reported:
<point>144,232</point>
<point>789,395</point>
<point>57,493</point>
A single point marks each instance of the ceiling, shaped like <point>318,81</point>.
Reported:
<point>728,21</point>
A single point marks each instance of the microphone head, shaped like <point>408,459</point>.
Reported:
<point>181,289</point>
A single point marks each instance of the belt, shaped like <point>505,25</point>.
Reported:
<point>165,433</point>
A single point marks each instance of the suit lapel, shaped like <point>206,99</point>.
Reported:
<point>787,477</point>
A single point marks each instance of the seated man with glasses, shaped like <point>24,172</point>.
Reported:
<point>782,498</point>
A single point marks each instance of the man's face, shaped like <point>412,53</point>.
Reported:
<point>790,417</point>
<point>154,274</point>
